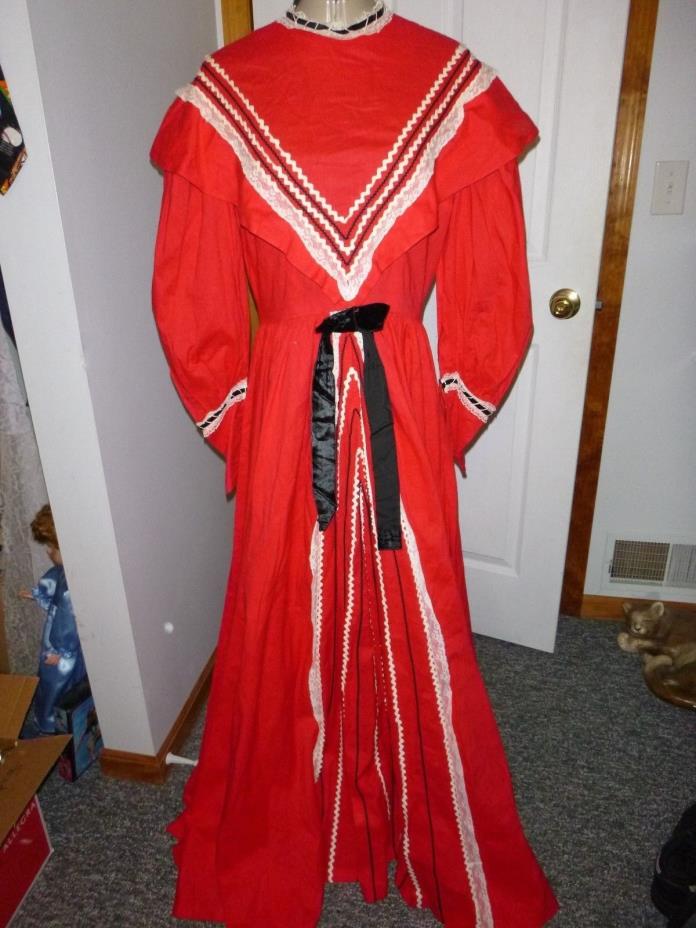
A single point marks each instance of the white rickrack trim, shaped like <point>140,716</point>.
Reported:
<point>348,281</point>
<point>316,562</point>
<point>351,375</point>
<point>348,619</point>
<point>370,29</point>
<point>337,805</point>
<point>376,654</point>
<point>335,346</point>
<point>213,419</point>
<point>307,185</point>
<point>439,671</point>
<point>401,749</point>
<point>474,404</point>
<point>323,210</point>
<point>378,761</point>
<point>345,651</point>
<point>376,650</point>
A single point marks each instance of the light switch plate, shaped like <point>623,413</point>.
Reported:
<point>669,187</point>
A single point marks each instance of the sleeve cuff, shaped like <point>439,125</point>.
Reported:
<point>219,428</point>
<point>209,425</point>
<point>467,414</point>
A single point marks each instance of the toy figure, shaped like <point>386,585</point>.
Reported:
<point>61,663</point>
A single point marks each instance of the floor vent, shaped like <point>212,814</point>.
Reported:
<point>653,562</point>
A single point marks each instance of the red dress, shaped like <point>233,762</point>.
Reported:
<point>347,724</point>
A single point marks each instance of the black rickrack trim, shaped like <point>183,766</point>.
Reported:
<point>303,23</point>
<point>470,396</point>
<point>222,408</point>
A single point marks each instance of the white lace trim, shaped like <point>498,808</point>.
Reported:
<point>213,419</point>
<point>352,377</point>
<point>371,28</point>
<point>316,560</point>
<point>348,281</point>
<point>316,563</point>
<point>474,404</point>
<point>285,156</point>
<point>439,671</point>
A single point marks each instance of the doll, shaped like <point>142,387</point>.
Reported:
<point>61,663</point>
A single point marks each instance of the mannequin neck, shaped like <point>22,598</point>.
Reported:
<point>336,14</point>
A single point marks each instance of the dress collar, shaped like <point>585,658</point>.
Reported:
<point>375,21</point>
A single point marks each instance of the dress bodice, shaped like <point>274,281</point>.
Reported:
<point>328,174</point>
<point>340,155</point>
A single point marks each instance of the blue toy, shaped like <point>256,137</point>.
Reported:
<point>61,663</point>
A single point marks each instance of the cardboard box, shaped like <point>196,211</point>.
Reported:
<point>23,767</point>
<point>76,716</point>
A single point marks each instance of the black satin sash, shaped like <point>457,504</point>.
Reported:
<point>366,319</point>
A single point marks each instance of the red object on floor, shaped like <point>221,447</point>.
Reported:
<point>22,857</point>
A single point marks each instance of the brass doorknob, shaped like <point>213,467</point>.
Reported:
<point>564,304</point>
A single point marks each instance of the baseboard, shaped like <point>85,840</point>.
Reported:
<point>611,607</point>
<point>126,765</point>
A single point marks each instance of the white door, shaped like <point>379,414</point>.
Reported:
<point>562,60</point>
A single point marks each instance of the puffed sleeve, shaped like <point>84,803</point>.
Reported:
<point>199,289</point>
<point>484,316</point>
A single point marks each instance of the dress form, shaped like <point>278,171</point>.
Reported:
<point>347,724</point>
<point>335,14</point>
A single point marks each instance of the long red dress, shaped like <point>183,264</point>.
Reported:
<point>347,724</point>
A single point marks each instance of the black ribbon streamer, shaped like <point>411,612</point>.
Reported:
<point>366,319</point>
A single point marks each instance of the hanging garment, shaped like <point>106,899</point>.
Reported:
<point>347,725</point>
<point>13,153</point>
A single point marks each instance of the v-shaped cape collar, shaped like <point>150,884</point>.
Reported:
<point>341,237</point>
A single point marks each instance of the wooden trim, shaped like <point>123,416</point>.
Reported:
<point>4,650</point>
<point>237,19</point>
<point>126,765</point>
<point>640,37</point>
<point>611,607</point>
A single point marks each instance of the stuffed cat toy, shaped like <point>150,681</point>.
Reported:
<point>666,639</point>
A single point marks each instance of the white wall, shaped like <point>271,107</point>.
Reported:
<point>646,486</point>
<point>265,11</point>
<point>144,526</point>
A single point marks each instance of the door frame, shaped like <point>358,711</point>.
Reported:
<point>640,37</point>
<point>237,19</point>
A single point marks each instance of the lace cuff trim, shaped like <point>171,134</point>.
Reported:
<point>472,403</point>
<point>213,420</point>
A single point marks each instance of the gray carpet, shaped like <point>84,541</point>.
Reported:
<point>602,772</point>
